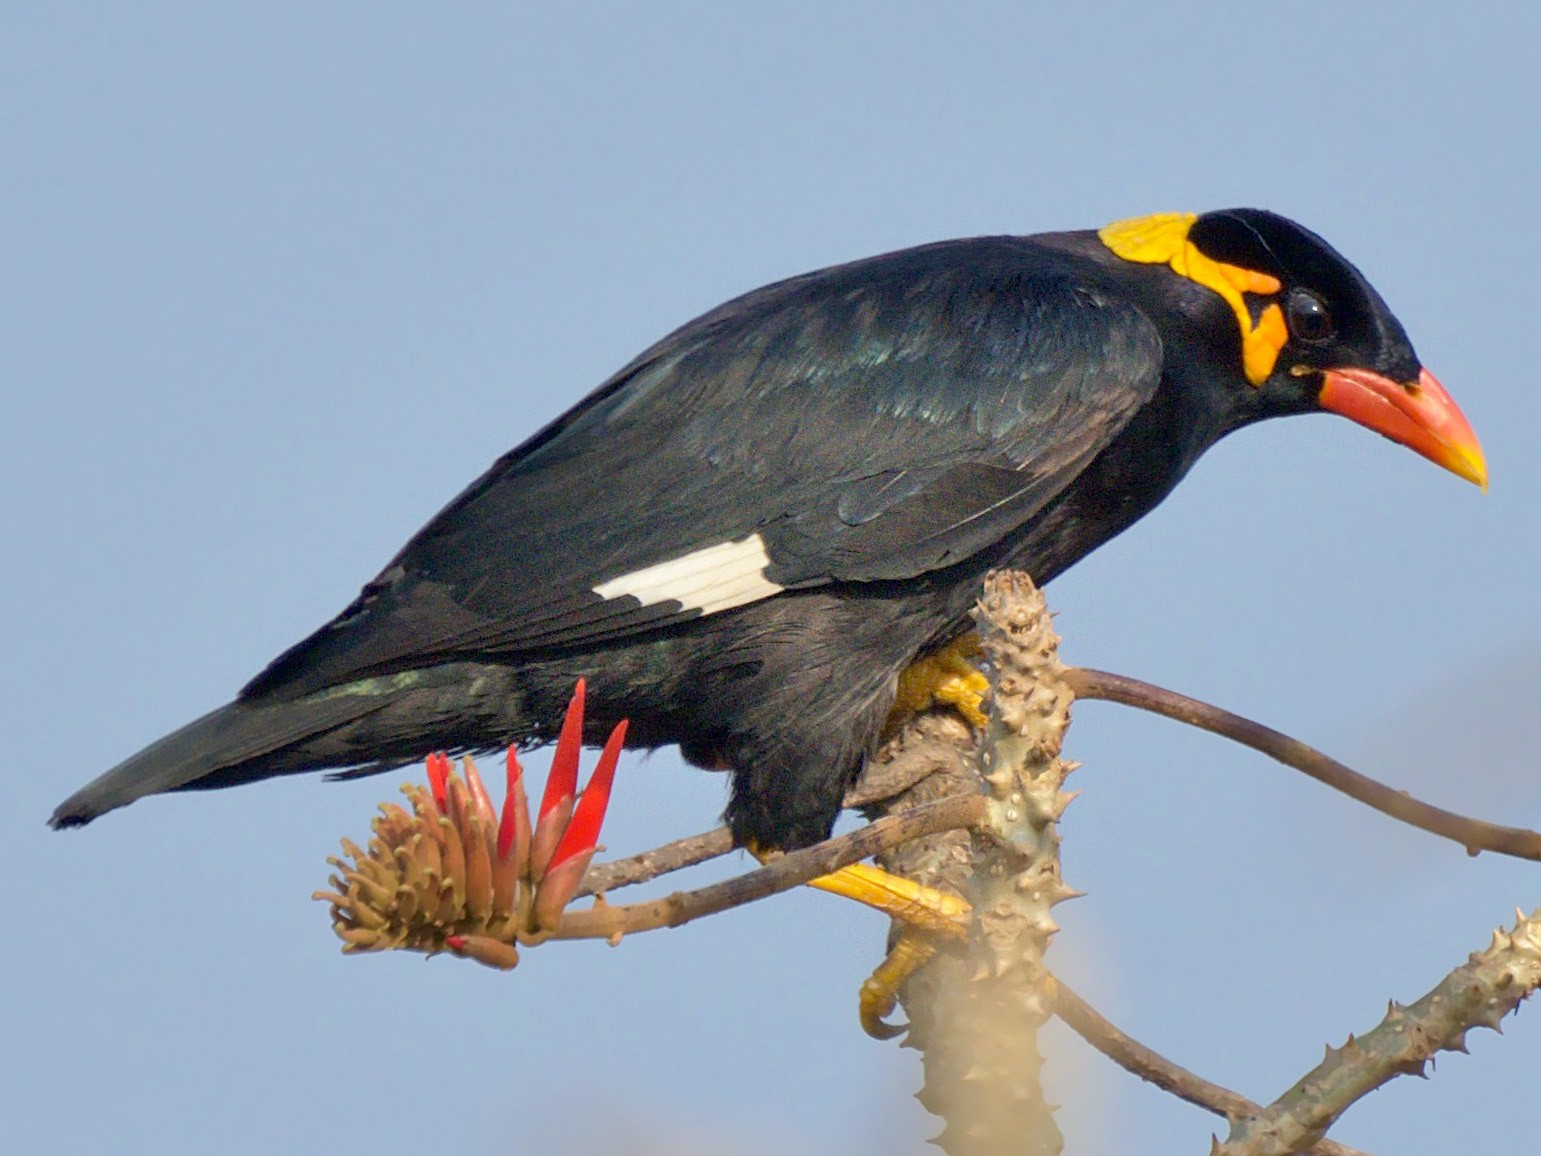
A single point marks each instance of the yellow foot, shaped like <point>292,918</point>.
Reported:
<point>921,907</point>
<point>880,993</point>
<point>945,678</point>
<point>928,915</point>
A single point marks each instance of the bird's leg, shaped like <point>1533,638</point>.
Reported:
<point>946,678</point>
<point>927,915</point>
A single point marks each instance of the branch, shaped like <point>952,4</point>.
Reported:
<point>1479,993</point>
<point>648,865</point>
<point>791,870</point>
<point>1473,834</point>
<point>1154,1068</point>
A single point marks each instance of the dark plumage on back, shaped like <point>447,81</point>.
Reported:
<point>875,421</point>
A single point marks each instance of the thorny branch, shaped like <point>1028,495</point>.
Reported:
<point>1154,1068</point>
<point>976,1008</point>
<point>949,862</point>
<point>1479,993</point>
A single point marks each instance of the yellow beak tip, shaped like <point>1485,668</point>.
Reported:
<point>1474,468</point>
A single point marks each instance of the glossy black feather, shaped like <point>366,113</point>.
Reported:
<point>875,421</point>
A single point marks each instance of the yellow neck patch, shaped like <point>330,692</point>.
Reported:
<point>1162,239</point>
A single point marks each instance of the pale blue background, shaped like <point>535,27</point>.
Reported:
<point>277,282</point>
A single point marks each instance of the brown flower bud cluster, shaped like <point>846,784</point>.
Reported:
<point>448,873</point>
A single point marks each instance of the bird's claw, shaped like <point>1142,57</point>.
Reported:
<point>928,918</point>
<point>880,991</point>
<point>947,677</point>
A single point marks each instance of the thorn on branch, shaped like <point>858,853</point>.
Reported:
<point>1154,1068</point>
<point>1479,993</point>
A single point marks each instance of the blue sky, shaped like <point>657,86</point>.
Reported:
<point>279,280</point>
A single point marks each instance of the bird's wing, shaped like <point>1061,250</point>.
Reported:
<point>871,422</point>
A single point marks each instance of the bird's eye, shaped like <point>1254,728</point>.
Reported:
<point>1308,316</point>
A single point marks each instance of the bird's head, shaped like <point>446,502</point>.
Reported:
<point>1310,332</point>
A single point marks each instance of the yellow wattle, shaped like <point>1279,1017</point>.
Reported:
<point>1162,239</point>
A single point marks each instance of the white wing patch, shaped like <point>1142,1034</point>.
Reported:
<point>709,580</point>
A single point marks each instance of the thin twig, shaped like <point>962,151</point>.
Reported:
<point>675,856</point>
<point>1479,993</point>
<point>791,870</point>
<point>1154,1068</point>
<point>1473,834</point>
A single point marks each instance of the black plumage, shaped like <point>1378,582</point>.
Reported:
<point>839,458</point>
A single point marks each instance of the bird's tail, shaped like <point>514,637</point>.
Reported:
<point>396,719</point>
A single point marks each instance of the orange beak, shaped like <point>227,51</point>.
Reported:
<point>1420,416</point>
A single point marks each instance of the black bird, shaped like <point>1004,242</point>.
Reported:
<point>745,536</point>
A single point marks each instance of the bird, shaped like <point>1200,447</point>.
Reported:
<point>745,537</point>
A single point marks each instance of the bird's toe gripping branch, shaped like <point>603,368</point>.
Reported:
<point>880,991</point>
<point>947,677</point>
<point>923,908</point>
<point>453,875</point>
<point>928,917</point>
